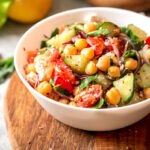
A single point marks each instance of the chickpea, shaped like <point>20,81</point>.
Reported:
<point>54,96</point>
<point>64,101</point>
<point>115,61</point>
<point>72,103</point>
<point>91,68</point>
<point>76,90</point>
<point>70,50</point>
<point>147,92</point>
<point>80,44</point>
<point>114,71</point>
<point>30,68</point>
<point>103,63</point>
<point>88,53</point>
<point>88,27</point>
<point>44,88</point>
<point>113,96</point>
<point>131,64</point>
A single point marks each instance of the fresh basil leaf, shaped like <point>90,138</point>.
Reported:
<point>6,68</point>
<point>4,5</point>
<point>43,51</point>
<point>139,45</point>
<point>63,91</point>
<point>98,25</point>
<point>125,72</point>
<point>55,32</point>
<point>130,54</point>
<point>99,104</point>
<point>86,81</point>
<point>43,44</point>
<point>98,33</point>
<point>132,36</point>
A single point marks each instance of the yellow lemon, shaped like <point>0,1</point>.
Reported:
<point>29,11</point>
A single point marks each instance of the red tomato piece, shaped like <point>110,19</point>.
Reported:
<point>148,40</point>
<point>96,43</point>
<point>65,84</point>
<point>62,70</point>
<point>31,55</point>
<point>90,96</point>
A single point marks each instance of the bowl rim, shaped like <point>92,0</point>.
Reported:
<point>58,103</point>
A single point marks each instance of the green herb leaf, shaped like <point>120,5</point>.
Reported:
<point>130,54</point>
<point>127,31</point>
<point>98,33</point>
<point>43,51</point>
<point>139,45</point>
<point>98,25</point>
<point>99,104</point>
<point>43,44</point>
<point>55,32</point>
<point>86,81</point>
<point>6,68</point>
<point>4,5</point>
<point>125,72</point>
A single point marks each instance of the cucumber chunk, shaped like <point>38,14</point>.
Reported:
<point>113,29</point>
<point>125,86</point>
<point>142,78</point>
<point>142,35</point>
<point>103,81</point>
<point>78,26</point>
<point>77,63</point>
<point>61,38</point>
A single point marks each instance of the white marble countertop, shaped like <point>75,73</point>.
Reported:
<point>9,36</point>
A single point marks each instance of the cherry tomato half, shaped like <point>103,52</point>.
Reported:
<point>63,75</point>
<point>65,84</point>
<point>96,43</point>
<point>90,96</point>
<point>31,54</point>
<point>148,40</point>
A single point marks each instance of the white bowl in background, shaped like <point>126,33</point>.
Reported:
<point>82,118</point>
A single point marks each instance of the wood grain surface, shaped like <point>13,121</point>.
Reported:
<point>30,127</point>
<point>136,5</point>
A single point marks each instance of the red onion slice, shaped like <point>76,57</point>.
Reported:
<point>81,33</point>
<point>116,51</point>
<point>80,77</point>
<point>139,60</point>
<point>126,38</point>
<point>37,81</point>
<point>144,49</point>
<point>1,57</point>
<point>62,95</point>
<point>66,43</point>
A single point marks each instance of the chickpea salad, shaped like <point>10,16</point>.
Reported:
<point>96,64</point>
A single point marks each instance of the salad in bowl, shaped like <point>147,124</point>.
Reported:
<point>95,64</point>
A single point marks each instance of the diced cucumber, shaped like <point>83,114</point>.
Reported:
<point>113,29</point>
<point>78,26</point>
<point>142,78</point>
<point>125,86</point>
<point>142,35</point>
<point>61,38</point>
<point>77,63</point>
<point>135,99</point>
<point>103,81</point>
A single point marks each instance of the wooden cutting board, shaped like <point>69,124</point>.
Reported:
<point>30,127</point>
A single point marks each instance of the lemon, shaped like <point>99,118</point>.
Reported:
<point>29,11</point>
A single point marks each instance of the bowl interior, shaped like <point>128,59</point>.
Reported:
<point>32,38</point>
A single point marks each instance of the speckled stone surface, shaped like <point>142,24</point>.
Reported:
<point>9,36</point>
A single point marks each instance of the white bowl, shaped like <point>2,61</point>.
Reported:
<point>82,118</point>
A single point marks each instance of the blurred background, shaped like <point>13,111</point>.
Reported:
<point>16,16</point>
